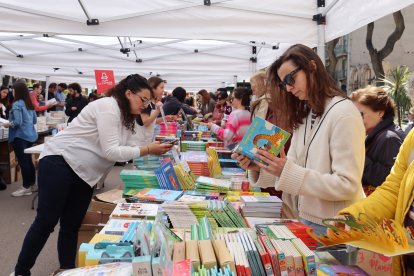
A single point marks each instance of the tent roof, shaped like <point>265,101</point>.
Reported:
<point>193,43</point>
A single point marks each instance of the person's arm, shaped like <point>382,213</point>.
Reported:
<point>68,111</point>
<point>34,117</point>
<point>188,110</point>
<point>17,115</point>
<point>382,203</point>
<point>148,119</point>
<point>346,165</point>
<point>36,105</point>
<point>227,134</point>
<point>375,171</point>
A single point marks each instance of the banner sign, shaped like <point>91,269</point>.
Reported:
<point>104,80</point>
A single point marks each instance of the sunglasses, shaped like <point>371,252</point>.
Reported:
<point>288,80</point>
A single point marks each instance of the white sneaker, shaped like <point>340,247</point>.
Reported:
<point>34,188</point>
<point>22,192</point>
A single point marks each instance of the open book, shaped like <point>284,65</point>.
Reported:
<point>387,238</point>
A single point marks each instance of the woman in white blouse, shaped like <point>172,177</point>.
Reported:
<point>78,158</point>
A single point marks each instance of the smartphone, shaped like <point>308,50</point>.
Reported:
<point>174,141</point>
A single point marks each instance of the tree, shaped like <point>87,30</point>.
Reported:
<point>396,87</point>
<point>378,56</point>
<point>333,60</point>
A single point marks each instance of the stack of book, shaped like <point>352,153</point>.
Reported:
<point>179,214</point>
<point>167,179</point>
<point>210,184</point>
<point>168,129</point>
<point>151,162</point>
<point>262,206</point>
<point>193,146</point>
<point>236,195</point>
<point>225,214</point>
<point>138,179</point>
<point>197,161</point>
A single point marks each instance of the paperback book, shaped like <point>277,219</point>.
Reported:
<point>262,135</point>
<point>135,210</point>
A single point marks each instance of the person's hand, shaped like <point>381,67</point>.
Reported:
<point>51,104</point>
<point>208,115</point>
<point>275,164</point>
<point>244,162</point>
<point>209,125</point>
<point>158,149</point>
<point>6,125</point>
<point>74,108</point>
<point>158,105</point>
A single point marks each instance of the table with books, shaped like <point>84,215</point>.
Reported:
<point>191,213</point>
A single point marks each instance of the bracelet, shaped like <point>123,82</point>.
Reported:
<point>147,150</point>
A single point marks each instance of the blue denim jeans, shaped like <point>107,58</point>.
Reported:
<point>25,161</point>
<point>63,196</point>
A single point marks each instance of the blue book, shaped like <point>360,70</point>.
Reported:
<point>262,135</point>
<point>170,178</point>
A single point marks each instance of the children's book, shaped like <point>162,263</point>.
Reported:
<point>135,210</point>
<point>157,195</point>
<point>387,237</point>
<point>116,226</point>
<point>167,178</point>
<point>262,135</point>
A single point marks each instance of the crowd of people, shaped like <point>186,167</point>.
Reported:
<point>346,155</point>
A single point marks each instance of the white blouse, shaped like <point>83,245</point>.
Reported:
<point>94,141</point>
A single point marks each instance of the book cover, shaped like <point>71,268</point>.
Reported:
<point>262,135</point>
<point>135,210</point>
<point>116,226</point>
<point>157,194</point>
<point>170,177</point>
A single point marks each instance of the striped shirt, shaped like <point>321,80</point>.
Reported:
<point>236,127</point>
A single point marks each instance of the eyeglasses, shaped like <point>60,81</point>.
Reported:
<point>288,80</point>
<point>145,101</point>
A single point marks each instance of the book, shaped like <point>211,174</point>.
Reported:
<point>135,210</point>
<point>167,178</point>
<point>157,195</point>
<point>386,237</point>
<point>261,201</point>
<point>116,226</point>
<point>262,134</point>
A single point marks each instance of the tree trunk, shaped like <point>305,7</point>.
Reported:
<point>330,48</point>
<point>378,56</point>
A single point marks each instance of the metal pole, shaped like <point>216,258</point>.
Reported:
<point>46,90</point>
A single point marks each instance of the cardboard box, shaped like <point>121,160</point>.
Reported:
<point>374,263</point>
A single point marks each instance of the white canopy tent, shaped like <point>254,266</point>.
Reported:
<point>194,43</point>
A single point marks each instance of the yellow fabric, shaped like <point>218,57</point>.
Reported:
<point>394,197</point>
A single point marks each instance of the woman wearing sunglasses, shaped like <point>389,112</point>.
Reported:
<point>76,159</point>
<point>323,169</point>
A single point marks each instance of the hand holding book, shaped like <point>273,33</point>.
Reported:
<point>274,165</point>
<point>245,162</point>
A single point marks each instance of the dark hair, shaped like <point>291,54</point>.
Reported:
<point>5,101</point>
<point>376,98</point>
<point>290,111</point>
<point>35,86</point>
<point>243,94</point>
<point>205,99</point>
<point>53,85</point>
<point>189,101</point>
<point>222,95</point>
<point>135,83</point>
<point>179,93</point>
<point>75,86</point>
<point>213,96</point>
<point>63,85</point>
<point>21,92</point>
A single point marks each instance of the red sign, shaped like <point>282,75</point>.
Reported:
<point>104,80</point>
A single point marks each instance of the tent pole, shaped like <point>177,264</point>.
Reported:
<point>47,90</point>
<point>321,32</point>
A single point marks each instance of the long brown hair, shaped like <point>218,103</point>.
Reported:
<point>21,92</point>
<point>290,111</point>
<point>135,83</point>
<point>154,82</point>
<point>206,96</point>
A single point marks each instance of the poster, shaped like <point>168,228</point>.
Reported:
<point>104,80</point>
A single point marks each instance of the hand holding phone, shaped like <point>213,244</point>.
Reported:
<point>173,142</point>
